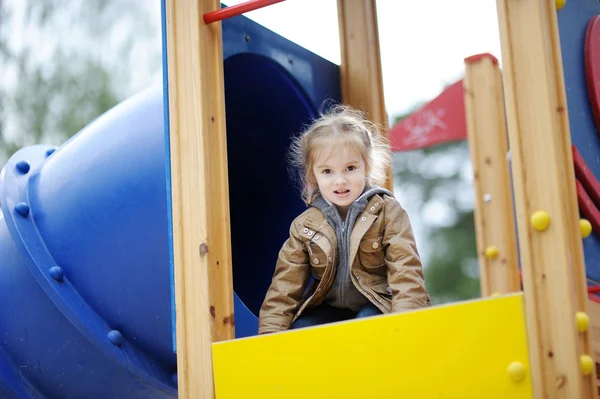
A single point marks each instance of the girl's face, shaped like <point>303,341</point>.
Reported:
<point>340,173</point>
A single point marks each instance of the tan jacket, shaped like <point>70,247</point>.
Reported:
<point>384,263</point>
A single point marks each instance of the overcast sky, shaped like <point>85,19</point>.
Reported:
<point>423,43</point>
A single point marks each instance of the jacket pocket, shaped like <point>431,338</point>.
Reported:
<point>381,287</point>
<point>370,252</point>
<point>318,260</point>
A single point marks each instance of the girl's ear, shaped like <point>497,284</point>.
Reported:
<point>311,181</point>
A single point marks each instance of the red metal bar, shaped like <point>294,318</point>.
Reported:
<point>594,289</point>
<point>594,298</point>
<point>238,9</point>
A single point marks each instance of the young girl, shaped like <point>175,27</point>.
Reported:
<point>354,240</point>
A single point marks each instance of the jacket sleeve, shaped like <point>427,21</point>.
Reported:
<point>404,271</point>
<point>284,295</point>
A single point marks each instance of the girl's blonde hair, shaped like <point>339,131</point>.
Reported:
<point>350,126</point>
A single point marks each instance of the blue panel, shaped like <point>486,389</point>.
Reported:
<point>317,77</point>
<point>166,124</point>
<point>573,21</point>
<point>263,199</point>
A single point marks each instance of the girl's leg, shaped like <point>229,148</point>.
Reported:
<point>320,315</point>
<point>368,310</point>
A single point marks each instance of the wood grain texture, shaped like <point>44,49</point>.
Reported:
<point>200,199</point>
<point>488,145</point>
<point>360,69</point>
<point>540,141</point>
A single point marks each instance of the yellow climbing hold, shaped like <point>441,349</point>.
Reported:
<point>587,364</point>
<point>491,252</point>
<point>540,220</point>
<point>586,227</point>
<point>583,321</point>
<point>560,4</point>
<point>516,371</point>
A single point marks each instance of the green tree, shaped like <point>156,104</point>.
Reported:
<point>67,63</point>
<point>439,179</point>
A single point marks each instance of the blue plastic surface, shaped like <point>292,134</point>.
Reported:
<point>85,277</point>
<point>573,21</point>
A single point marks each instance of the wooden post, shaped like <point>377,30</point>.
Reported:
<point>200,199</point>
<point>361,76</point>
<point>540,140</point>
<point>488,143</point>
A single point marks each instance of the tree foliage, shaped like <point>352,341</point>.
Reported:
<point>438,178</point>
<point>66,64</point>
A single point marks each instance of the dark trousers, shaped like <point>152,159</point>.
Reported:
<point>328,314</point>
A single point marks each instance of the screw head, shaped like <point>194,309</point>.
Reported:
<point>540,220</point>
<point>22,209</point>
<point>115,337</point>
<point>23,167</point>
<point>583,321</point>
<point>56,273</point>
<point>516,371</point>
<point>586,228</point>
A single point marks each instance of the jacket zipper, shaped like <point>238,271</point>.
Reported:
<point>332,273</point>
<point>358,287</point>
<point>353,277</point>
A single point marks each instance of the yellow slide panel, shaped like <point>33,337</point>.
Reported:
<point>473,349</point>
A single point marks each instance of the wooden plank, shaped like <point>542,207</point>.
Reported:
<point>488,144</point>
<point>200,199</point>
<point>360,69</point>
<point>540,141</point>
<point>594,315</point>
<point>457,351</point>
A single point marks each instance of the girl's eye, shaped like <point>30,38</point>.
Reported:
<point>351,167</point>
<point>326,171</point>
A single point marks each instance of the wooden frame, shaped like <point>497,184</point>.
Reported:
<point>540,140</point>
<point>200,198</point>
<point>360,69</point>
<point>488,144</point>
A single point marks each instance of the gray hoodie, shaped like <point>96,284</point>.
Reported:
<point>343,293</point>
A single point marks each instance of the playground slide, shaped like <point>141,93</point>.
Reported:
<point>85,272</point>
<point>85,276</point>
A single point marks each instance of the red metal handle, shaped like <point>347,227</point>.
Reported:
<point>236,10</point>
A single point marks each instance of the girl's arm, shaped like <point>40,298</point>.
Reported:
<point>405,271</point>
<point>283,298</point>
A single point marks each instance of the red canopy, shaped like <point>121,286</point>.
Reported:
<point>439,121</point>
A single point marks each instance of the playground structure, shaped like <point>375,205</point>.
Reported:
<point>88,230</point>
